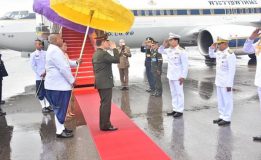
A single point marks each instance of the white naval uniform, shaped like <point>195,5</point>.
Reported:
<point>37,61</point>
<point>177,68</point>
<point>58,75</point>
<point>72,63</point>
<point>225,73</point>
<point>251,47</point>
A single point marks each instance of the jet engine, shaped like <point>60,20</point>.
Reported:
<point>238,35</point>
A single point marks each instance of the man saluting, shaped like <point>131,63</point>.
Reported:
<point>102,62</point>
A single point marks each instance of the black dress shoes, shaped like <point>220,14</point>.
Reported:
<point>50,108</point>
<point>150,90</point>
<point>217,120</point>
<point>2,113</point>
<point>124,88</point>
<point>223,123</point>
<point>68,130</point>
<point>45,110</point>
<point>153,94</point>
<point>257,138</point>
<point>177,114</point>
<point>171,113</point>
<point>64,135</point>
<point>158,95</point>
<point>110,129</point>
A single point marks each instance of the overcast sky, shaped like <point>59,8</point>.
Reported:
<point>12,5</point>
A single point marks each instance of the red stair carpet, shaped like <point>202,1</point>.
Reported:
<point>128,143</point>
<point>74,42</point>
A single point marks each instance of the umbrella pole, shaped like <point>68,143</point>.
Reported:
<point>84,41</point>
<point>69,110</point>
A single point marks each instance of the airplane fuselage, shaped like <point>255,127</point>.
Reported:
<point>18,35</point>
<point>198,22</point>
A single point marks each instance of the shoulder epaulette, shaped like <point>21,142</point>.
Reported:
<point>181,48</point>
<point>230,51</point>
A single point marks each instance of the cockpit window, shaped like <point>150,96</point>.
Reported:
<point>14,15</point>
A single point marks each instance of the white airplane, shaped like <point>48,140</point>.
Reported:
<point>199,22</point>
<point>18,31</point>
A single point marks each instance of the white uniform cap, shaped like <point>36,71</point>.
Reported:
<point>172,36</point>
<point>223,39</point>
<point>122,42</point>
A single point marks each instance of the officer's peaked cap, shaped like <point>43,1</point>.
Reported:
<point>149,39</point>
<point>172,36</point>
<point>223,39</point>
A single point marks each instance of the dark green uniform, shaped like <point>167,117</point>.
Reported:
<point>156,68</point>
<point>102,62</point>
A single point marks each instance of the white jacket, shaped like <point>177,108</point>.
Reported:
<point>58,72</point>
<point>225,67</point>
<point>37,61</point>
<point>251,48</point>
<point>177,62</point>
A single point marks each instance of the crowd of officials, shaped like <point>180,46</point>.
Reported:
<point>54,79</point>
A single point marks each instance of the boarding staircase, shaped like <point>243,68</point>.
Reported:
<point>74,40</point>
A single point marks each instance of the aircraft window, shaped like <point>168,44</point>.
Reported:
<point>30,16</point>
<point>240,11</point>
<point>135,12</point>
<point>154,13</point>
<point>150,13</point>
<point>146,13</point>
<point>158,12</point>
<point>24,13</point>
<point>182,12</point>
<point>161,12</point>
<point>167,12</point>
<point>194,12</point>
<point>200,11</point>
<point>228,11</point>
<point>175,12</point>
<point>139,12</point>
<point>206,11</point>
<point>142,13</point>
<point>171,12</point>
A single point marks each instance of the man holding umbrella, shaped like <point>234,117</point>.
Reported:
<point>37,60</point>
<point>102,62</point>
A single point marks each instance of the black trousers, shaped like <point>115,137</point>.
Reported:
<point>1,80</point>
<point>105,107</point>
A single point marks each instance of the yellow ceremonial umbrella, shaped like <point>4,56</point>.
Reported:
<point>107,15</point>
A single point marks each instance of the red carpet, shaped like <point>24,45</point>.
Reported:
<point>128,143</point>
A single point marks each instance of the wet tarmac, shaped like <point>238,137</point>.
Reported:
<point>26,133</point>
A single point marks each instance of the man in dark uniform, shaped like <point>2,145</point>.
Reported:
<point>156,68</point>
<point>3,73</point>
<point>146,48</point>
<point>102,66</point>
